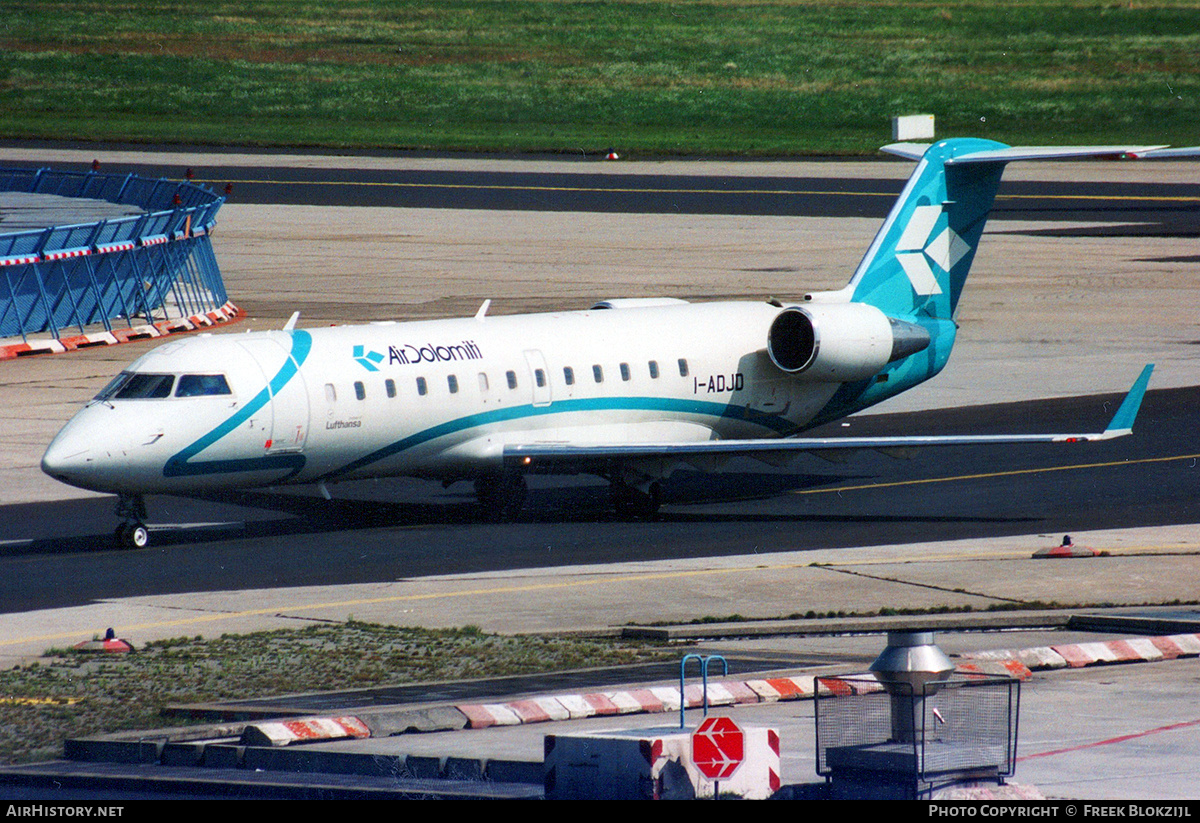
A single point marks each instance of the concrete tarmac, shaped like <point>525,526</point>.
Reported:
<point>1041,317</point>
<point>1145,566</point>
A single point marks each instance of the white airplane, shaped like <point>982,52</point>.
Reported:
<point>627,390</point>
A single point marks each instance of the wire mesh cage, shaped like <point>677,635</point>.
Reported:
<point>960,726</point>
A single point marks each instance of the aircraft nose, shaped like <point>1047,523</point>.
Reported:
<point>68,458</point>
<point>76,455</point>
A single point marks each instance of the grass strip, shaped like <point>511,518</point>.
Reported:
<point>67,693</point>
<point>755,77</point>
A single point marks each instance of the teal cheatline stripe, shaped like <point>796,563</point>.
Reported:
<point>778,425</point>
<point>179,465</point>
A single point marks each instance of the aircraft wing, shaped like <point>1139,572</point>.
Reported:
<point>1155,154</point>
<point>556,455</point>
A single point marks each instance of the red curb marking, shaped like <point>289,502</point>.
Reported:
<point>1121,739</point>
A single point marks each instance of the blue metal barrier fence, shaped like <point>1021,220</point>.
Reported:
<point>150,267</point>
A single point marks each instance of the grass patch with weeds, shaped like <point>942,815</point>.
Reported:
<point>72,694</point>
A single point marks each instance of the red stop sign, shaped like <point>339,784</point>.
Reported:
<point>718,747</point>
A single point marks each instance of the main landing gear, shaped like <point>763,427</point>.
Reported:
<point>633,503</point>
<point>132,533</point>
<point>501,496</point>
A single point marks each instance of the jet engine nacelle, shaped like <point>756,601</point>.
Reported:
<point>840,342</point>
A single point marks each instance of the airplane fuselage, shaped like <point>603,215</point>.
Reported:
<point>440,399</point>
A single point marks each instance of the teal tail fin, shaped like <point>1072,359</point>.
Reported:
<point>917,265</point>
<point>919,261</point>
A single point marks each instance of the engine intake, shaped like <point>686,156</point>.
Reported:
<point>840,342</point>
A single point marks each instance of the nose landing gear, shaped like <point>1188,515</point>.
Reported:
<point>132,533</point>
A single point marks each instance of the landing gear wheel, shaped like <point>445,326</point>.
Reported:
<point>138,536</point>
<point>501,496</point>
<point>133,535</point>
<point>634,504</point>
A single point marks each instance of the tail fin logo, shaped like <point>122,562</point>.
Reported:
<point>921,245</point>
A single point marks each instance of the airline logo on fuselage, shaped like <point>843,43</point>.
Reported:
<point>408,354</point>
<point>369,360</point>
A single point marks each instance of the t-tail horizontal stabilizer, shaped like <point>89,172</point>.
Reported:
<point>549,457</point>
<point>1009,154</point>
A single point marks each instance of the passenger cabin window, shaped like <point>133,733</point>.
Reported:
<point>539,377</point>
<point>360,391</point>
<point>512,379</point>
<point>200,385</point>
<point>422,388</point>
<point>390,386</point>
<point>452,382</point>
<point>625,371</point>
<point>483,383</point>
<point>653,369</point>
<point>683,368</point>
<point>598,374</point>
<point>569,375</point>
<point>138,386</point>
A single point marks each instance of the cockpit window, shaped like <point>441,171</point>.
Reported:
<point>113,386</point>
<point>138,386</point>
<point>196,385</point>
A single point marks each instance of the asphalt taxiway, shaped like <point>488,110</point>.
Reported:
<point>1054,309</point>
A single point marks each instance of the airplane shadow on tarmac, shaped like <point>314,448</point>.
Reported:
<point>575,504</point>
<point>688,497</point>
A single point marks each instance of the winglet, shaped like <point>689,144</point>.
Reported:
<point>1122,422</point>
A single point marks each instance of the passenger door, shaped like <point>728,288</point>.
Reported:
<point>288,407</point>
